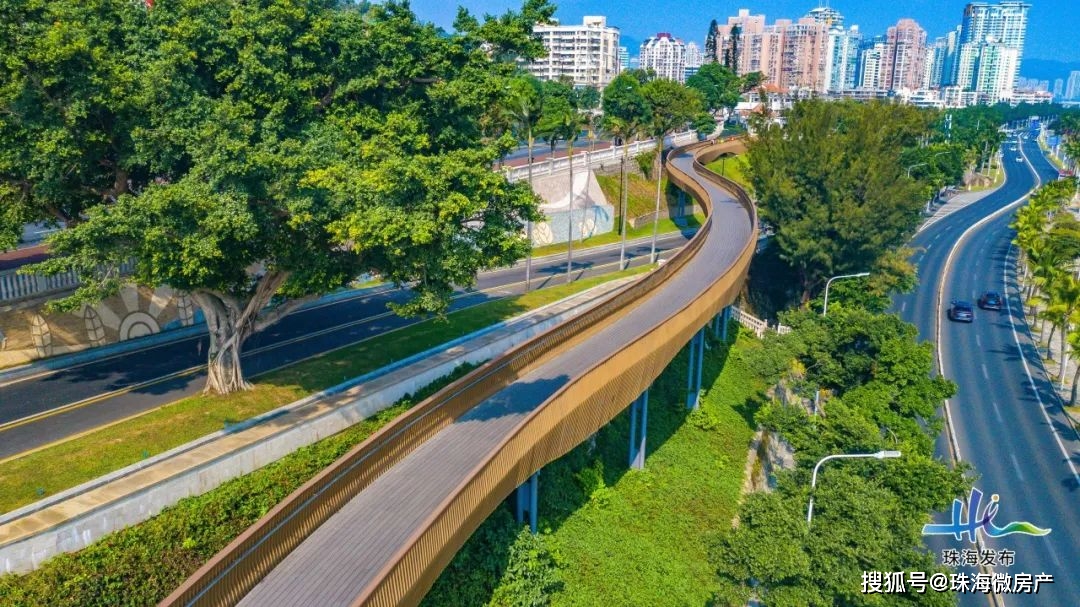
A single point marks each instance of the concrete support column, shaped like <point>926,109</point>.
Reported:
<point>725,320</point>
<point>639,416</point>
<point>527,500</point>
<point>691,372</point>
<point>693,380</point>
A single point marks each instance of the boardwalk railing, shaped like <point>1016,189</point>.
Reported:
<point>755,324</point>
<point>584,404</point>
<point>585,158</point>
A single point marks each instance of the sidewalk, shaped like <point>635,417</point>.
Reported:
<point>73,519</point>
<point>957,203</point>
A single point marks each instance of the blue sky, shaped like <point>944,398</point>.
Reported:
<point>1053,25</point>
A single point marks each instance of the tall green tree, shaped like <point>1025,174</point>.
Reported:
<point>710,43</point>
<point>719,87</point>
<point>564,121</point>
<point>524,105</point>
<point>671,106</point>
<point>831,183</point>
<point>625,115</point>
<point>71,104</point>
<point>287,149</point>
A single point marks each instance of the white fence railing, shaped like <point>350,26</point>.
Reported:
<point>755,324</point>
<point>586,158</point>
<point>15,286</point>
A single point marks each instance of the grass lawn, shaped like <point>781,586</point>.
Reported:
<point>641,193</point>
<point>656,523</point>
<point>631,538</point>
<point>667,226</point>
<point>26,479</point>
<point>734,168</point>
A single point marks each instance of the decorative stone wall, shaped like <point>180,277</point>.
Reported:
<point>31,332</point>
<point>586,213</point>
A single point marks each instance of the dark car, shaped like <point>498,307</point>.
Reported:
<point>991,300</point>
<point>961,311</point>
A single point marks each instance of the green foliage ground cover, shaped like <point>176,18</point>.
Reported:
<point>610,536</point>
<point>141,565</point>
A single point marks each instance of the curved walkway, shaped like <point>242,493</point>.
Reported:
<point>387,544</point>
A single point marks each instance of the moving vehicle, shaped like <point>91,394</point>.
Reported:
<point>961,311</point>
<point>991,300</point>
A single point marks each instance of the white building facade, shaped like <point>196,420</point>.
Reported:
<point>588,53</point>
<point>665,55</point>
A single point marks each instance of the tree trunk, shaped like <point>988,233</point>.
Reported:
<point>1076,378</point>
<point>653,256</point>
<point>230,322</point>
<point>622,205</point>
<point>528,223</point>
<point>570,216</point>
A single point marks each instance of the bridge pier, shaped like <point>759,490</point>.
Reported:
<point>725,320</point>
<point>527,499</point>
<point>693,379</point>
<point>639,415</point>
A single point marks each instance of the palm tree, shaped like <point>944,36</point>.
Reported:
<point>671,105</point>
<point>524,105</point>
<point>625,130</point>
<point>563,121</point>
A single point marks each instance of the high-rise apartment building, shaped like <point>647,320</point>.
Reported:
<point>996,75</point>
<point>991,40</point>
<point>903,63</point>
<point>790,54</point>
<point>871,65</point>
<point>694,59</point>
<point>1072,86</point>
<point>842,49</point>
<point>1059,88</point>
<point>842,58</point>
<point>665,55</point>
<point>624,58</point>
<point>588,53</point>
<point>934,67</point>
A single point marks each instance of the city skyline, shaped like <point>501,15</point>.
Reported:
<point>1051,24</point>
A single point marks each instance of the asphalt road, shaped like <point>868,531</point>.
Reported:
<point>1008,423</point>
<point>83,397</point>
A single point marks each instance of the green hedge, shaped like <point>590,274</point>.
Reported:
<point>142,564</point>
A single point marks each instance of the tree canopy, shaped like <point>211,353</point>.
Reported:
<point>832,184</point>
<point>240,151</point>
<point>868,513</point>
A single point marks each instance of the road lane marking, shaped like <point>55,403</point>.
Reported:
<point>978,341</point>
<point>1016,465</point>
<point>986,374</point>
<point>903,307</point>
<point>997,412</point>
<point>950,425</point>
<point>1031,379</point>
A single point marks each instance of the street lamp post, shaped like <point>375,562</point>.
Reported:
<point>813,478</point>
<point>825,310</point>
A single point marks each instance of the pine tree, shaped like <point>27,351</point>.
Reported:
<point>731,56</point>
<point>710,43</point>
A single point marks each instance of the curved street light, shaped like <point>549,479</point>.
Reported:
<point>813,478</point>
<point>825,309</point>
